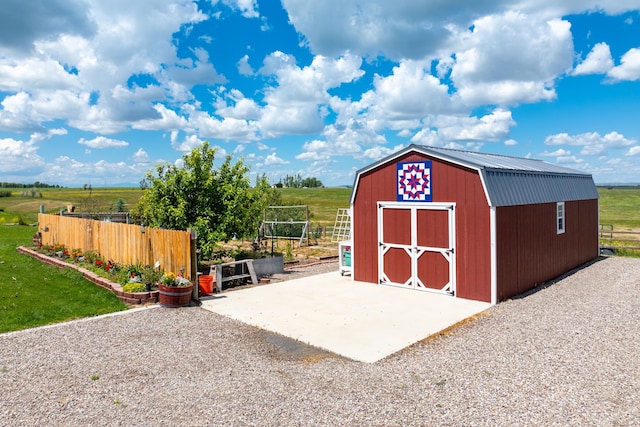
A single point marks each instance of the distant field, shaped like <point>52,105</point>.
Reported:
<point>323,202</point>
<point>26,209</point>
<point>618,206</point>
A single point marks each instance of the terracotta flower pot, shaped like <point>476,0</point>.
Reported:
<point>173,296</point>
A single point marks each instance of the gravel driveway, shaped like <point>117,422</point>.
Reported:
<point>568,354</point>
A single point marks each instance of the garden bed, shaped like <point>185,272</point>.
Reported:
<point>132,298</point>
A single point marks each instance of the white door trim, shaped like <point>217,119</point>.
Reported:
<point>413,250</point>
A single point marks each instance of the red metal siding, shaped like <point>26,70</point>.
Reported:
<point>529,250</point>
<point>450,183</point>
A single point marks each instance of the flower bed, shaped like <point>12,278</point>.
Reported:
<point>133,298</point>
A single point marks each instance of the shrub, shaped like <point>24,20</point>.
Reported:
<point>91,256</point>
<point>134,287</point>
<point>5,193</point>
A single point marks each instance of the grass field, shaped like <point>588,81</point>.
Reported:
<point>323,202</point>
<point>25,209</point>
<point>33,293</point>
<point>618,206</point>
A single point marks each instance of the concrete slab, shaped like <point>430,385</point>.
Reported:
<point>360,321</point>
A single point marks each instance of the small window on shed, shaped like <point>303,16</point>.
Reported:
<point>560,217</point>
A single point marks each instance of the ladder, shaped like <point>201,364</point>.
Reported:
<point>342,227</point>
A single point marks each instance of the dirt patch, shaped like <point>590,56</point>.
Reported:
<point>289,348</point>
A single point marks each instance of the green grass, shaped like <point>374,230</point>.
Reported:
<point>25,209</point>
<point>34,294</point>
<point>620,207</point>
<point>323,202</point>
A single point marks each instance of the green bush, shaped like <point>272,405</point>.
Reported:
<point>5,193</point>
<point>134,287</point>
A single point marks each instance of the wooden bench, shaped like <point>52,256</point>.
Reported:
<point>246,272</point>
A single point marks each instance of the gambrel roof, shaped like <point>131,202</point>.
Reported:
<point>507,180</point>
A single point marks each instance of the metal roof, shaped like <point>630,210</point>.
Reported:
<point>508,180</point>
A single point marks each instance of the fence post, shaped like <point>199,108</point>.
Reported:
<point>194,265</point>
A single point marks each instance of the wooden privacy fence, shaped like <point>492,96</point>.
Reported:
<point>122,243</point>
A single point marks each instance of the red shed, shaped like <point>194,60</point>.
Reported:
<point>474,225</point>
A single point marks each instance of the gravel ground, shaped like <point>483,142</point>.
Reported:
<point>568,354</point>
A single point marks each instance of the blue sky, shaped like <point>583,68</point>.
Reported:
<point>98,92</point>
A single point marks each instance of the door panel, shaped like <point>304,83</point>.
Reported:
<point>432,228</point>
<point>395,226</point>
<point>401,262</point>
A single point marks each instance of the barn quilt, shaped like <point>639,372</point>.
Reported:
<point>414,181</point>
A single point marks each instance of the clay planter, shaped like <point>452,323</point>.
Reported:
<point>173,296</point>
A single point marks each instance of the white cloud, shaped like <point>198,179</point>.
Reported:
<point>410,92</point>
<point>193,72</point>
<point>102,142</point>
<point>315,150</point>
<point>294,106</point>
<point>19,156</point>
<point>25,22</point>
<point>379,152</point>
<point>94,51</point>
<point>226,129</point>
<point>141,156</point>
<point>273,160</point>
<point>396,30</point>
<point>17,114</point>
<point>190,142</point>
<point>451,131</point>
<point>592,143</point>
<point>243,66</point>
<point>168,119</point>
<point>561,152</point>
<point>310,83</point>
<point>27,73</point>
<point>236,106</point>
<point>571,161</point>
<point>511,58</point>
<point>629,68</point>
<point>561,8</point>
<point>247,7</point>
<point>634,151</point>
<point>598,61</point>
<point>70,171</point>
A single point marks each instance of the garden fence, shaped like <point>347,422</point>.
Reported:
<point>121,243</point>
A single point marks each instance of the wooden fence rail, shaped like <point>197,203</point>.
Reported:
<point>618,239</point>
<point>122,243</point>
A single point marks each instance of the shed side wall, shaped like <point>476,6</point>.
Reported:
<point>450,183</point>
<point>529,250</point>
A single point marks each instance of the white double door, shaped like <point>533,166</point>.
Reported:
<point>416,245</point>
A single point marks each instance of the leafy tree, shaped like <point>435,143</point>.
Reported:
<point>296,181</point>
<point>218,203</point>
<point>312,182</point>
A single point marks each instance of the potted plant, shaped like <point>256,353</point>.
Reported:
<point>174,290</point>
<point>150,277</point>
